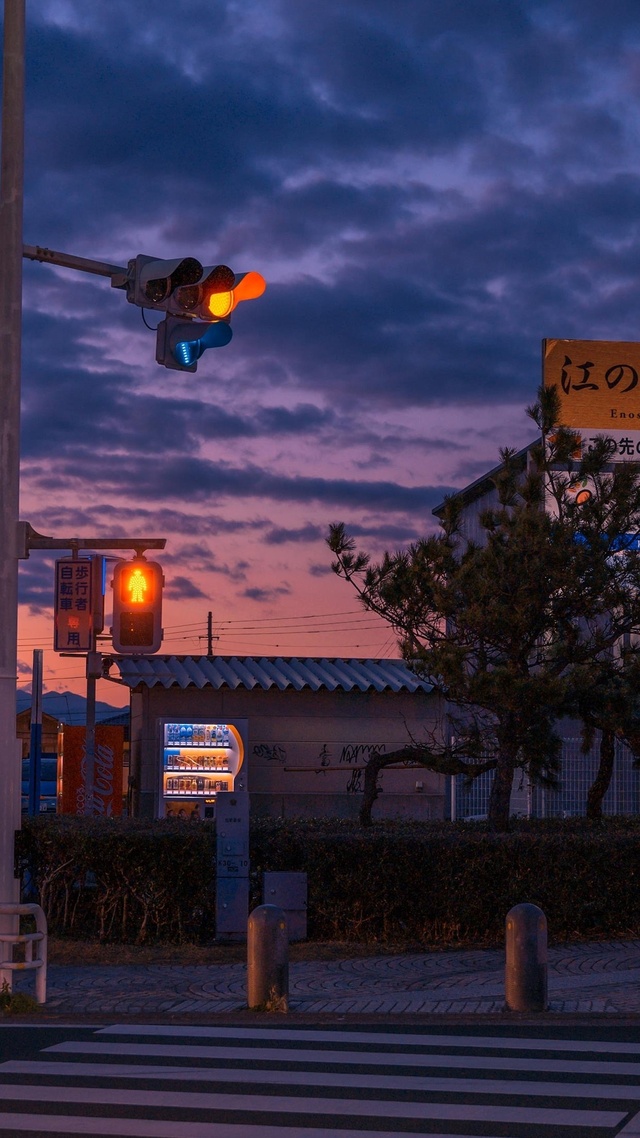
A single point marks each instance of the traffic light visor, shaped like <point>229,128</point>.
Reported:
<point>248,286</point>
<point>158,279</point>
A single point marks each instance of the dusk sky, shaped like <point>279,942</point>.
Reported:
<point>429,187</point>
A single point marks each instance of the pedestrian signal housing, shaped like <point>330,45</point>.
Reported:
<point>137,607</point>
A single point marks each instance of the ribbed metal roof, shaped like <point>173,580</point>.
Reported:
<point>268,672</point>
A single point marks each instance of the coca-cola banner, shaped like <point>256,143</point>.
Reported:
<point>107,771</point>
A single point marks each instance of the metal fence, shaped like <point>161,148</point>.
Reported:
<point>577,773</point>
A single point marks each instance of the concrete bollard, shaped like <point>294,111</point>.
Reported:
<point>268,959</point>
<point>525,979</point>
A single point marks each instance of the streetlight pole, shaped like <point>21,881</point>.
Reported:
<point>11,251</point>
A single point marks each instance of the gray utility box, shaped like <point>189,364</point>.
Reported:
<point>232,864</point>
<point>232,907</point>
<point>289,892</point>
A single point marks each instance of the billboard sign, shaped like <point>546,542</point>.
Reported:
<point>598,383</point>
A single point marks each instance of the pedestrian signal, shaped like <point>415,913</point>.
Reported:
<point>137,607</point>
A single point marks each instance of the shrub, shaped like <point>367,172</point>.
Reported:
<point>443,883</point>
<point>121,879</point>
<point>428,884</point>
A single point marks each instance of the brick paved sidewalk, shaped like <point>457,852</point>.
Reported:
<point>603,977</point>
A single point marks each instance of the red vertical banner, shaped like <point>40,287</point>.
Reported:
<point>107,778</point>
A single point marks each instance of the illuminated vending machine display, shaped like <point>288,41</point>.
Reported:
<point>199,759</point>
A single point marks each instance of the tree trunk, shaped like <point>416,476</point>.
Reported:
<point>500,797</point>
<point>602,781</point>
<point>414,758</point>
<point>370,791</point>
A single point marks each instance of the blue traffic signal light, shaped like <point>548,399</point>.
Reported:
<point>180,343</point>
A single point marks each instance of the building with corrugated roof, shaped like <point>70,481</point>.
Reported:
<point>311,727</point>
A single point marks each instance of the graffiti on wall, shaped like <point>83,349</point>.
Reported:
<point>352,756</point>
<point>272,752</point>
<point>360,752</point>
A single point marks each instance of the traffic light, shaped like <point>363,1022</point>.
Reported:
<point>180,343</point>
<point>137,607</point>
<point>199,302</point>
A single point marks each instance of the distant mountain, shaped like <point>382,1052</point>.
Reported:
<point>67,706</point>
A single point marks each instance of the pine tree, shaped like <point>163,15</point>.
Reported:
<point>508,629</point>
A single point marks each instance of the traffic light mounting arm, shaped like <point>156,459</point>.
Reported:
<point>119,273</point>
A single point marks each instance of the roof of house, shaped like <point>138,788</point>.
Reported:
<point>485,482</point>
<point>267,672</point>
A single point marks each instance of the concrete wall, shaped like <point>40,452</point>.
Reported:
<point>307,750</point>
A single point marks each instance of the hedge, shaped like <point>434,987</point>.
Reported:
<point>394,883</point>
<point>120,879</point>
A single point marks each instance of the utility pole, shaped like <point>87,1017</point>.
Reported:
<point>11,244</point>
<point>210,636</point>
<point>35,748</point>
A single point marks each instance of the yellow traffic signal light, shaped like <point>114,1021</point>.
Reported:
<point>137,607</point>
<point>217,293</point>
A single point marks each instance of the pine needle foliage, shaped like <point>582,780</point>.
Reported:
<point>523,621</point>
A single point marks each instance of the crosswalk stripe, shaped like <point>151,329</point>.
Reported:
<point>296,1055</point>
<point>467,1062</point>
<point>382,1038</point>
<point>141,1128</point>
<point>287,1104</point>
<point>631,1130</point>
<point>256,1083</point>
<point>416,1083</point>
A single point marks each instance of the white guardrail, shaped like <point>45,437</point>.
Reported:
<point>28,939</point>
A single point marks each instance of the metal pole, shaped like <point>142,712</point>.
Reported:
<point>90,709</point>
<point>90,744</point>
<point>11,203</point>
<point>81,264</point>
<point>35,750</point>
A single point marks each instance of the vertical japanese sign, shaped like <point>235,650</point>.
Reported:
<point>73,626</point>
<point>598,382</point>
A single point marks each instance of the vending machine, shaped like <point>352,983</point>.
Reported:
<point>200,758</point>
